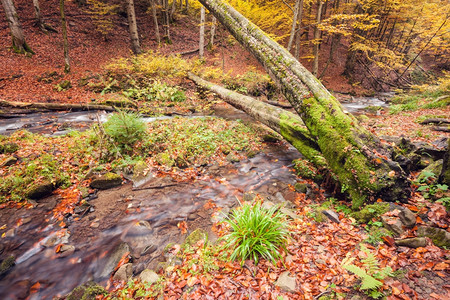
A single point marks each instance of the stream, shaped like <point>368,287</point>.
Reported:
<point>145,219</point>
<point>53,258</point>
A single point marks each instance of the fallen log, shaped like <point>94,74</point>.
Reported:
<point>56,106</point>
<point>289,125</point>
<point>354,154</point>
<point>441,128</point>
<point>438,121</point>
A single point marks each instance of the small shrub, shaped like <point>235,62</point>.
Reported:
<point>125,129</point>
<point>256,232</point>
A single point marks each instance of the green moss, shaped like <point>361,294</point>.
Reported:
<point>7,264</point>
<point>306,170</point>
<point>88,291</point>
<point>370,211</point>
<point>194,237</point>
<point>7,147</point>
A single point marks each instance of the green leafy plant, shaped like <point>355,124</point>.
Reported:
<point>125,129</point>
<point>256,232</point>
<point>428,186</point>
<point>370,274</point>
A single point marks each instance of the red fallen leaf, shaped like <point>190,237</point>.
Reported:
<point>209,204</point>
<point>389,241</point>
<point>406,288</point>
<point>443,276</point>
<point>182,226</point>
<point>35,288</point>
<point>404,297</point>
<point>441,266</point>
<point>436,296</point>
<point>192,281</point>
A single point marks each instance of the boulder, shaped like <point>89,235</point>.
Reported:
<point>149,276</point>
<point>286,282</point>
<point>412,242</point>
<point>106,181</point>
<point>393,224</point>
<point>124,272</point>
<point>332,215</point>
<point>440,237</point>
<point>66,250</point>
<point>39,190</point>
<point>109,263</point>
<point>407,217</point>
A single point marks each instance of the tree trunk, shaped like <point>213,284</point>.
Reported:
<point>56,106</point>
<point>201,43</point>
<point>298,35</point>
<point>213,32</point>
<point>65,39</point>
<point>18,38</point>
<point>166,22</point>
<point>355,155</point>
<point>289,125</point>
<point>186,6</point>
<point>315,67</point>
<point>294,23</point>
<point>134,36</point>
<point>155,20</point>
<point>37,13</point>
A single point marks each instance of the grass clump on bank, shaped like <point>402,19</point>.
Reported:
<point>423,97</point>
<point>197,141</point>
<point>256,232</point>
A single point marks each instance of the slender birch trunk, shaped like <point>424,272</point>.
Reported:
<point>294,23</point>
<point>155,21</point>
<point>315,67</point>
<point>201,43</point>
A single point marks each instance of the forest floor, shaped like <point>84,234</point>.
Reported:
<point>316,248</point>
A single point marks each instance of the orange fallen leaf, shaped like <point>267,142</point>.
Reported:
<point>182,226</point>
<point>441,266</point>
<point>192,281</point>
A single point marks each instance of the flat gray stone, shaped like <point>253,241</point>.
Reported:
<point>332,215</point>
<point>149,276</point>
<point>286,282</point>
<point>110,263</point>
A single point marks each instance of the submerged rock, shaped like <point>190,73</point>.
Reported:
<point>112,261</point>
<point>107,181</point>
<point>6,265</point>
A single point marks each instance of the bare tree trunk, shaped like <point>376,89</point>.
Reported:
<point>201,43</point>
<point>213,32</point>
<point>18,38</point>
<point>37,13</point>
<point>298,35</point>
<point>186,6</point>
<point>166,22</point>
<point>315,67</point>
<point>134,36</point>
<point>65,39</point>
<point>354,154</point>
<point>155,20</point>
<point>172,11</point>
<point>294,23</point>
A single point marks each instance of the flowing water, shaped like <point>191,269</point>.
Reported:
<point>145,218</point>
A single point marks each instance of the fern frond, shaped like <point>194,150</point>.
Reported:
<point>357,271</point>
<point>386,272</point>
<point>370,262</point>
<point>370,283</point>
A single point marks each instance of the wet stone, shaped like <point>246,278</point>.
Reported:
<point>440,237</point>
<point>124,272</point>
<point>40,190</point>
<point>332,215</point>
<point>393,224</point>
<point>66,250</point>
<point>8,162</point>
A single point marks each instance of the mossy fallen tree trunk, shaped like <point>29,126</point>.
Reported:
<point>289,125</point>
<point>355,155</point>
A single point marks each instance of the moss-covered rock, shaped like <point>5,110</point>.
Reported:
<point>106,181</point>
<point>194,237</point>
<point>440,237</point>
<point>7,148</point>
<point>63,85</point>
<point>88,291</point>
<point>6,265</point>
<point>370,211</point>
<point>444,177</point>
<point>8,162</point>
<point>40,190</point>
